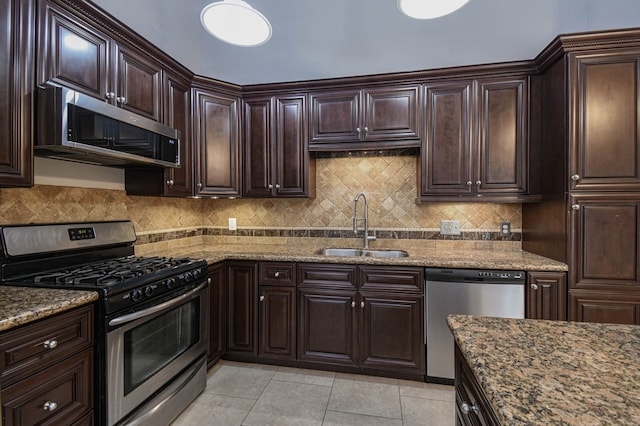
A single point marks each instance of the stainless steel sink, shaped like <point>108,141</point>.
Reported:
<point>362,252</point>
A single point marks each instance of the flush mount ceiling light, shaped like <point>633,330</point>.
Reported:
<point>235,22</point>
<point>429,9</point>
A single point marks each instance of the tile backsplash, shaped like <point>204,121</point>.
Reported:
<point>388,181</point>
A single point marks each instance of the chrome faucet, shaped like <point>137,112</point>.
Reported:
<point>367,237</point>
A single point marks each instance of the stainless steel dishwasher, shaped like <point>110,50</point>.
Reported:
<point>465,291</point>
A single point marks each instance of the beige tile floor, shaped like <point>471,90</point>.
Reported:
<point>254,394</point>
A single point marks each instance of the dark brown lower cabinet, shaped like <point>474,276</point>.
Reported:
<point>378,329</point>
<point>327,326</point>
<point>472,406</point>
<point>217,280</point>
<point>277,322</point>
<point>392,332</point>
<point>242,308</point>
<point>599,306</point>
<point>48,384</point>
<point>547,296</point>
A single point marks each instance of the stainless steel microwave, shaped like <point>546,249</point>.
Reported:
<point>77,127</point>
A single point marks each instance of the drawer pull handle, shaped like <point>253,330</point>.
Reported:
<point>50,344</point>
<point>49,406</point>
<point>466,408</point>
<point>277,274</point>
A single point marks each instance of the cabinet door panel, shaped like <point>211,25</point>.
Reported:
<point>446,167</point>
<point>177,114</point>
<point>17,56</point>
<point>139,82</point>
<point>393,332</point>
<point>607,151</point>
<point>242,307</point>
<point>292,156</point>
<point>278,322</point>
<point>257,149</point>
<point>218,172</point>
<point>73,53</point>
<point>546,295</point>
<point>391,113</point>
<point>606,234</point>
<point>327,326</point>
<point>618,308</point>
<point>502,144</point>
<point>335,116</point>
<point>217,275</point>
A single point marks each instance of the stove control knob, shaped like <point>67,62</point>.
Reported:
<point>188,277</point>
<point>148,290</point>
<point>170,283</point>
<point>136,295</point>
<point>196,273</point>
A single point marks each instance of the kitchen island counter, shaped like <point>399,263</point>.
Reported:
<point>448,258</point>
<point>553,372</point>
<point>21,305</point>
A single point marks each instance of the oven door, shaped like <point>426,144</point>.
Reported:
<point>150,348</point>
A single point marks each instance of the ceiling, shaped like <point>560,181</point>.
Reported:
<point>314,39</point>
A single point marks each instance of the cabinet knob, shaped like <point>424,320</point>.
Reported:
<point>277,187</point>
<point>262,298</point>
<point>270,186</point>
<point>575,177</point>
<point>277,274</point>
<point>358,130</point>
<point>110,95</point>
<point>353,304</point>
<point>121,100</point>
<point>534,286</point>
<point>199,186</point>
<point>366,129</point>
<point>362,304</point>
<point>170,182</point>
<point>478,182</point>
<point>50,344</point>
<point>468,408</point>
<point>575,206</point>
<point>469,183</point>
<point>49,406</point>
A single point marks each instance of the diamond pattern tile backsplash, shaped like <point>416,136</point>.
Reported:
<point>389,183</point>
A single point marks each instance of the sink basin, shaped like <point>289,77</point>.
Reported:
<point>362,252</point>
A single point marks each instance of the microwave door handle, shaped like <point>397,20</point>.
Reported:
<point>158,308</point>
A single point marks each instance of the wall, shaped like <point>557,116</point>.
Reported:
<point>389,183</point>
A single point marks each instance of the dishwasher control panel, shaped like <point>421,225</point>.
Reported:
<point>477,275</point>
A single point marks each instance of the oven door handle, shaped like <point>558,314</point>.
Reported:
<point>158,308</point>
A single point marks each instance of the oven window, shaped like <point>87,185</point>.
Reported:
<point>155,343</point>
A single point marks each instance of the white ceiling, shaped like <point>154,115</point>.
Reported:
<point>335,38</point>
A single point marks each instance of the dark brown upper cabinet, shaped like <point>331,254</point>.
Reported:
<point>372,118</point>
<point>605,152</point>
<point>217,144</point>
<point>276,159</point>
<point>17,57</point>
<point>476,141</point>
<point>77,54</point>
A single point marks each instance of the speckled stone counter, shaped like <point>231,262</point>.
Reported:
<point>479,259</point>
<point>554,373</point>
<point>20,305</point>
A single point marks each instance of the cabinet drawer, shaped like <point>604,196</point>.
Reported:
<point>388,278</point>
<point>472,407</point>
<point>277,273</point>
<point>60,394</point>
<point>327,276</point>
<point>37,345</point>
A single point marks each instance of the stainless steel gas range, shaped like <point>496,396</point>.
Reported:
<point>151,327</point>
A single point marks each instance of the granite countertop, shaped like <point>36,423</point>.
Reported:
<point>537,372</point>
<point>20,305</point>
<point>479,259</point>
